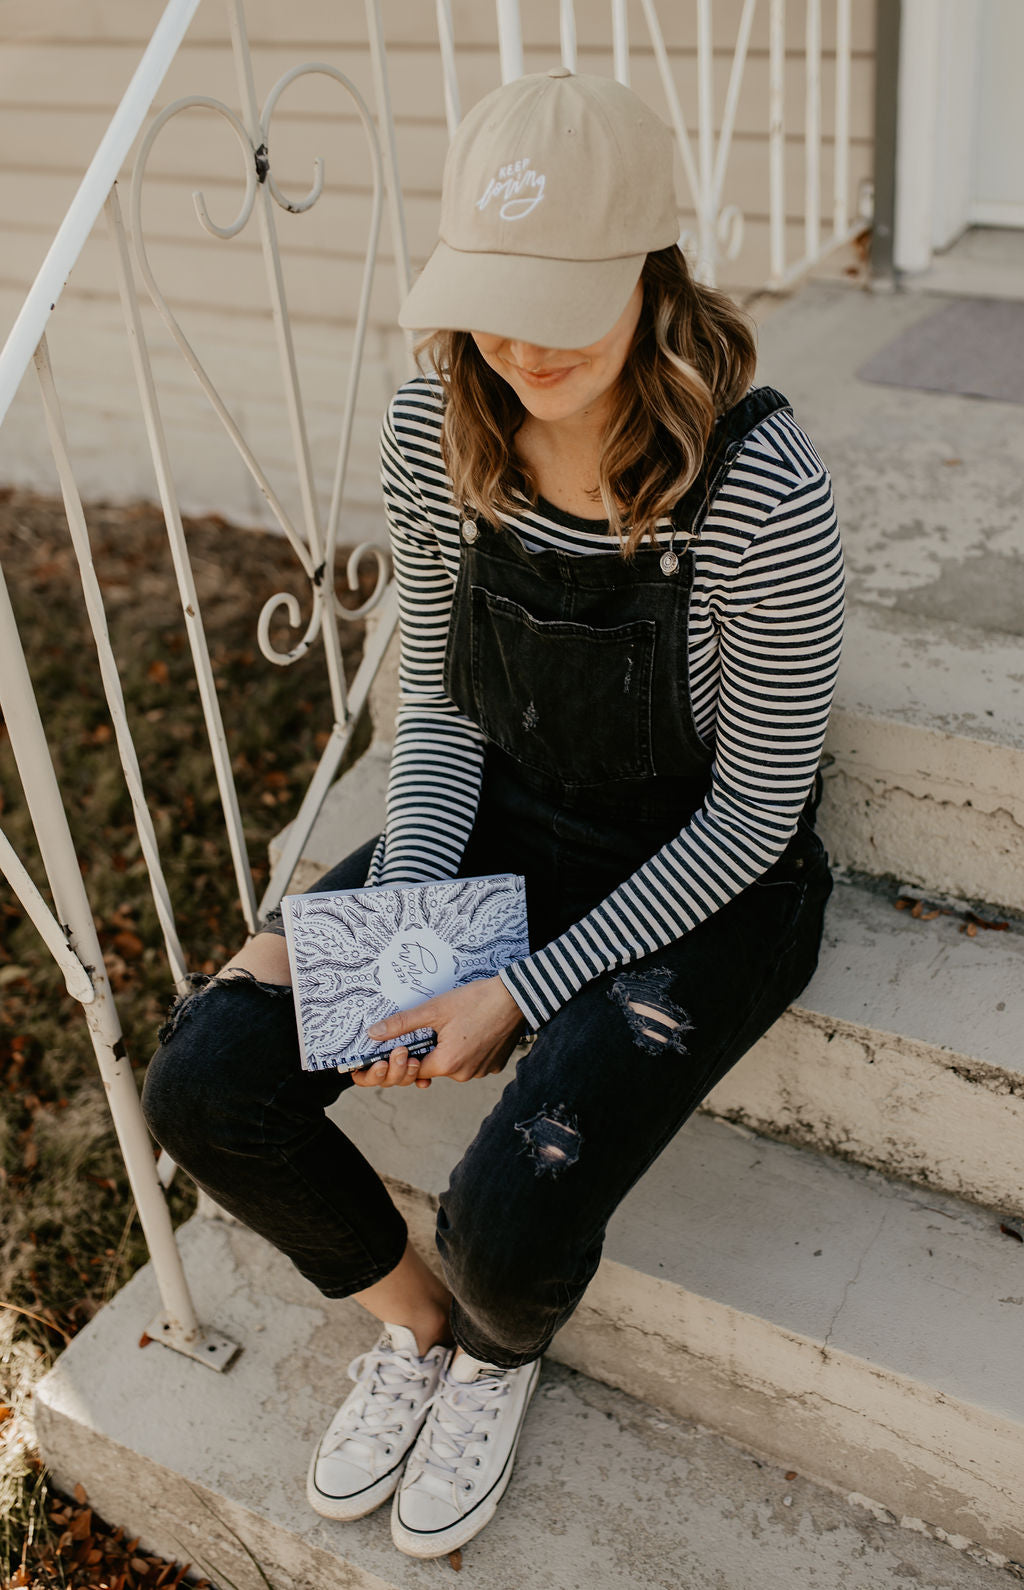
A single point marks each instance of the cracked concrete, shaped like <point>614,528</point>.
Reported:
<point>852,1282</point>
<point>622,1495</point>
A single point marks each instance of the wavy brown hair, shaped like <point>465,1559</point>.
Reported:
<point>693,357</point>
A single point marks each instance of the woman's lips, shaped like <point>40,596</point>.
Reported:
<point>543,378</point>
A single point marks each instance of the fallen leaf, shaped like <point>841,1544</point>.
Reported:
<point>129,945</point>
<point>791,1474</point>
<point>158,671</point>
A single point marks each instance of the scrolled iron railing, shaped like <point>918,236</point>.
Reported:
<point>67,927</point>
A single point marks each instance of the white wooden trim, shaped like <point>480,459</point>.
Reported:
<point>920,35</point>
<point>957,90</point>
<point>992,212</point>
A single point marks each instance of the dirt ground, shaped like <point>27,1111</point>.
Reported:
<point>68,1234</point>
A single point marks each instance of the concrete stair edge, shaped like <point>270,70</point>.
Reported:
<point>927,777</point>
<point>604,1481</point>
<point>820,1372</point>
<point>903,1053</point>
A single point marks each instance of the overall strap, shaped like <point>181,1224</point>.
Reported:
<point>731,430</point>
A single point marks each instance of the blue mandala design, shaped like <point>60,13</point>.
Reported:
<point>360,955</point>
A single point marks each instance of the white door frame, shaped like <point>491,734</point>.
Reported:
<point>935,127</point>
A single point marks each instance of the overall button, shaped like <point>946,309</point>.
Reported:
<point>469,532</point>
<point>669,562</point>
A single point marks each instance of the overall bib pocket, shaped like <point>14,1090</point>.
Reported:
<point>528,676</point>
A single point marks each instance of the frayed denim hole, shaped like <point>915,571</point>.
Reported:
<point>656,1022</point>
<point>552,1139</point>
<point>236,978</point>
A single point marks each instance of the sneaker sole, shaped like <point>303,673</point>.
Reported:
<point>441,1542</point>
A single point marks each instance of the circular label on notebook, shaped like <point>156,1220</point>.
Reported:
<point>416,965</point>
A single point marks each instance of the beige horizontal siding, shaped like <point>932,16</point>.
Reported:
<point>63,68</point>
<point>407,21</point>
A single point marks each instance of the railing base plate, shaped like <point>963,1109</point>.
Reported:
<point>208,1347</point>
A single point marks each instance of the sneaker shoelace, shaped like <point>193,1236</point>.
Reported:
<point>391,1381</point>
<point>450,1448</point>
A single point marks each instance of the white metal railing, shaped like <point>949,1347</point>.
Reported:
<point>719,232</point>
<point>67,927</point>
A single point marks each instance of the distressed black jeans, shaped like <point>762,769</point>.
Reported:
<point>604,1087</point>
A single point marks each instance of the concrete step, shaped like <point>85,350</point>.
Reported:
<point>928,728</point>
<point>792,1302</point>
<point>609,1493</point>
<point>903,1053</point>
<point>926,781</point>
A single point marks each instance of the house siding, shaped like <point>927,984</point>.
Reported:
<point>61,75</point>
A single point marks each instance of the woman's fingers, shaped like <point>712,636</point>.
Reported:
<point>402,1022</point>
<point>397,1071</point>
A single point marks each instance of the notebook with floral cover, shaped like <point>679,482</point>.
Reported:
<point>360,955</point>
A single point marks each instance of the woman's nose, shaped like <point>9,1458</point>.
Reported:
<point>527,354</point>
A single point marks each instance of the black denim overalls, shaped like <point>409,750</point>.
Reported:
<point>576,669</point>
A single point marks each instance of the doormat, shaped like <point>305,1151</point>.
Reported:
<point>970,345</point>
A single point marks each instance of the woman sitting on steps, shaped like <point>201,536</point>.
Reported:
<point>621,605</point>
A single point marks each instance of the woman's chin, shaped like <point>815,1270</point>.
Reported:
<point>554,403</point>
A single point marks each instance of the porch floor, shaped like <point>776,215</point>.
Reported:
<point>985,262</point>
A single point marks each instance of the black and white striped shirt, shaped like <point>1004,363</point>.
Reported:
<point>764,637</point>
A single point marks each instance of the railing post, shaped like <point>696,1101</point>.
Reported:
<point>620,42</point>
<point>777,139</point>
<point>177,1324</point>
<point>510,39</point>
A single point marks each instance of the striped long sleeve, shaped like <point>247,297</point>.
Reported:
<point>763,645</point>
<point>437,763</point>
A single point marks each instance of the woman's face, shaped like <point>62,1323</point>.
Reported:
<point>564,383</point>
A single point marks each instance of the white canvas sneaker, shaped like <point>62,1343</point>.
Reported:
<point>461,1464</point>
<point>358,1463</point>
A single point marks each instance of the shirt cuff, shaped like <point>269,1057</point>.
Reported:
<point>537,997</point>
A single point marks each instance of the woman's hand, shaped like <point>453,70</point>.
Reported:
<point>477,1026</point>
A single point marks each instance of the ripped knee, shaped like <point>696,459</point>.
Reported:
<point>552,1139</point>
<point>234,979</point>
<point>201,1084</point>
<point>656,1022</point>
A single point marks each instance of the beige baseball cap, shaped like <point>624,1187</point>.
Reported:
<point>556,188</point>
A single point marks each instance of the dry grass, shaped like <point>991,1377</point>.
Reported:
<point>68,1238</point>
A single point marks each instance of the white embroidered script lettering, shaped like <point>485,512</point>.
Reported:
<point>519,188</point>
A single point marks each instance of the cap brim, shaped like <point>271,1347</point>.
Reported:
<point>554,303</point>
